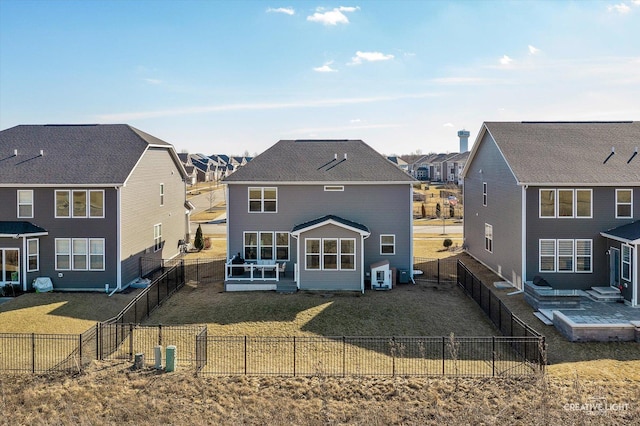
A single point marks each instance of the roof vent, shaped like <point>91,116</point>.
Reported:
<point>613,151</point>
<point>335,156</point>
<point>41,152</point>
<point>635,152</point>
<point>345,155</point>
<point>15,152</point>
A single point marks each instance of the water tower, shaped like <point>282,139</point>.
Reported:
<point>464,140</point>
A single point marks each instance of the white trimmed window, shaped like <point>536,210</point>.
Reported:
<point>25,203</point>
<point>79,254</point>
<point>387,244</point>
<point>565,255</point>
<point>263,200</point>
<point>624,203</point>
<point>162,194</point>
<point>266,245</point>
<point>566,203</point>
<point>33,255</point>
<point>625,264</point>
<point>484,193</point>
<point>488,237</point>
<point>79,203</point>
<point>157,237</point>
<point>330,254</point>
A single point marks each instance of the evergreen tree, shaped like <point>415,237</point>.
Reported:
<point>198,242</point>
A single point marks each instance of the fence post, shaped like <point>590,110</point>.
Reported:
<point>443,354</point>
<point>245,355</point>
<point>130,342</point>
<point>80,352</point>
<point>493,357</point>
<point>294,356</point>
<point>344,355</point>
<point>33,352</point>
<point>148,308</point>
<point>97,341</point>
<point>438,271</point>
<point>393,347</point>
<point>160,334</point>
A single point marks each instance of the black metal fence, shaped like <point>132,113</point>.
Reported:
<point>368,356</point>
<point>508,323</point>
<point>435,270</point>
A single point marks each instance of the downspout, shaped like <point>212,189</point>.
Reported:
<point>362,238</point>
<point>226,197</point>
<point>118,239</point>
<point>634,294</point>
<point>23,275</point>
<point>296,266</point>
<point>523,242</point>
<point>411,233</point>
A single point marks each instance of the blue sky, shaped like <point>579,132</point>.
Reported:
<point>236,76</point>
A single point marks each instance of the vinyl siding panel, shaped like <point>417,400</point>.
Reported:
<point>503,211</point>
<point>141,210</point>
<point>603,203</point>
<point>44,217</point>
<point>384,209</point>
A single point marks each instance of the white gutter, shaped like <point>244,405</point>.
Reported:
<point>118,238</point>
<point>523,239</point>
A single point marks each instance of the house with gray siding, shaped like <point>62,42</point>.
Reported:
<point>323,211</point>
<point>83,203</point>
<point>558,201</point>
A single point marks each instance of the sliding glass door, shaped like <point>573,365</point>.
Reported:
<point>9,266</point>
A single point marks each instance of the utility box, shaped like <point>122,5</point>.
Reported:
<point>381,276</point>
<point>403,276</point>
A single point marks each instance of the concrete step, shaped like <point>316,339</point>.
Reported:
<point>286,288</point>
<point>606,290</point>
<point>542,317</point>
<point>606,297</point>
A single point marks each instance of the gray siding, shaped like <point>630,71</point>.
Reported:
<point>141,210</point>
<point>503,211</point>
<point>603,203</point>
<point>44,217</point>
<point>384,209</point>
<point>331,280</point>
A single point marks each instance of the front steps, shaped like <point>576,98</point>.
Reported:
<point>604,294</point>
<point>286,287</point>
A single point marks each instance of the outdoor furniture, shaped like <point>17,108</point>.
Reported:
<point>282,267</point>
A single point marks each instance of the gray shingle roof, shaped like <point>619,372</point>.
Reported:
<point>329,218</point>
<point>20,228</point>
<point>569,152</point>
<point>72,154</point>
<point>628,233</point>
<point>320,161</point>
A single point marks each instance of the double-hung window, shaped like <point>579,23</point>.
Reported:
<point>33,255</point>
<point>157,237</point>
<point>565,255</point>
<point>162,194</point>
<point>387,244</point>
<point>484,193</point>
<point>263,200</point>
<point>79,254</point>
<point>625,264</point>
<point>266,245</point>
<point>488,237</point>
<point>624,203</point>
<point>25,203</point>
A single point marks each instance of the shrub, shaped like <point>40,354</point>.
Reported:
<point>447,243</point>
<point>438,212</point>
<point>198,242</point>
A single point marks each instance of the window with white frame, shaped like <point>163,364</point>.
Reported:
<point>266,245</point>
<point>25,203</point>
<point>488,237</point>
<point>263,200</point>
<point>484,193</point>
<point>565,255</point>
<point>387,244</point>
<point>157,237</point>
<point>79,254</point>
<point>79,203</point>
<point>330,254</point>
<point>565,203</point>
<point>162,194</point>
<point>33,255</point>
<point>624,203</point>
<point>625,264</point>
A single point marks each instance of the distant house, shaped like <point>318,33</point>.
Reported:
<point>82,204</point>
<point>400,163</point>
<point>556,201</point>
<point>323,211</point>
<point>191,171</point>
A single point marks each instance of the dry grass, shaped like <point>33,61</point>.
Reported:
<point>113,394</point>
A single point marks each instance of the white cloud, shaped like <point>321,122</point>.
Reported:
<point>448,125</point>
<point>621,8</point>
<point>505,60</point>
<point>332,17</point>
<point>369,57</point>
<point>533,50</point>
<point>153,81</point>
<point>635,2</point>
<point>285,10</point>
<point>326,67</point>
<point>355,120</point>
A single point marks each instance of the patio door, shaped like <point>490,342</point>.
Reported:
<point>614,267</point>
<point>9,266</point>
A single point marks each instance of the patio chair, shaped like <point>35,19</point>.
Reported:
<point>282,268</point>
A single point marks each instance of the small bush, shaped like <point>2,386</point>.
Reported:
<point>447,243</point>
